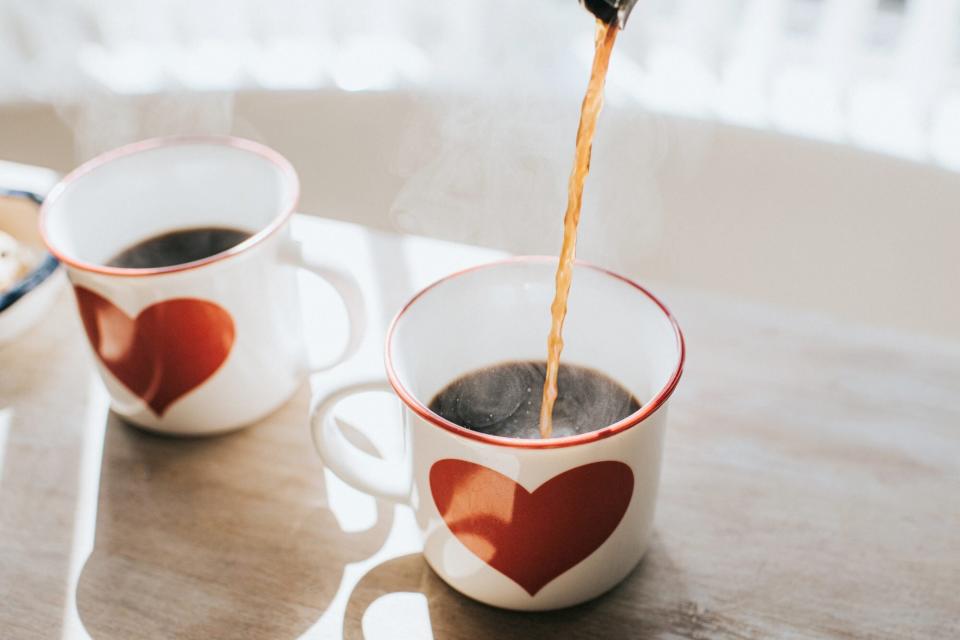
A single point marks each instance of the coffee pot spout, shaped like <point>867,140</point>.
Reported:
<point>610,11</point>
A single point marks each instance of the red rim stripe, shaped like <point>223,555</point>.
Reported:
<point>157,143</point>
<point>630,421</point>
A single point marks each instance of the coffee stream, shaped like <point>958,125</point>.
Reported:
<point>589,112</point>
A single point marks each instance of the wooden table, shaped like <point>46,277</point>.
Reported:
<point>811,489</point>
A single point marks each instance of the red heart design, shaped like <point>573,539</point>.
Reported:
<point>168,350</point>
<point>531,537</point>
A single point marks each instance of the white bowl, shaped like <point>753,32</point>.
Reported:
<point>24,304</point>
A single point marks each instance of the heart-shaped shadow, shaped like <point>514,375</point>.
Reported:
<point>224,537</point>
<point>651,602</point>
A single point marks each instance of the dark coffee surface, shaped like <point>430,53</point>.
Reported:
<point>178,247</point>
<point>504,400</point>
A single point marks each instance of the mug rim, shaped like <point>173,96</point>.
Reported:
<point>647,410</point>
<point>151,144</point>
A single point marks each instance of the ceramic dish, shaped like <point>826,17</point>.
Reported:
<point>23,303</point>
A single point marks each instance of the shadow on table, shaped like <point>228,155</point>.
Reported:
<point>651,601</point>
<point>221,537</point>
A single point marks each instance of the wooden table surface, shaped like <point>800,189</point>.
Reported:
<point>811,489</point>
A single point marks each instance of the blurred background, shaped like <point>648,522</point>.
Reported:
<point>880,74</point>
<point>799,152</point>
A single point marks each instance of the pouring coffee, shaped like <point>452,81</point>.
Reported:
<point>611,17</point>
<point>509,515</point>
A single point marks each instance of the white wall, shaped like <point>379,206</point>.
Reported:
<point>809,225</point>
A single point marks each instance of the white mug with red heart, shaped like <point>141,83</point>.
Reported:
<point>514,523</point>
<point>208,345</point>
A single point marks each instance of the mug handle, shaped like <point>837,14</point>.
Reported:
<point>388,478</point>
<point>347,288</point>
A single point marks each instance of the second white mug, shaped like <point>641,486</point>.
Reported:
<point>524,524</point>
<point>204,346</point>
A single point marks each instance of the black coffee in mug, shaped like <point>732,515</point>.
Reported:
<point>178,247</point>
<point>504,400</point>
